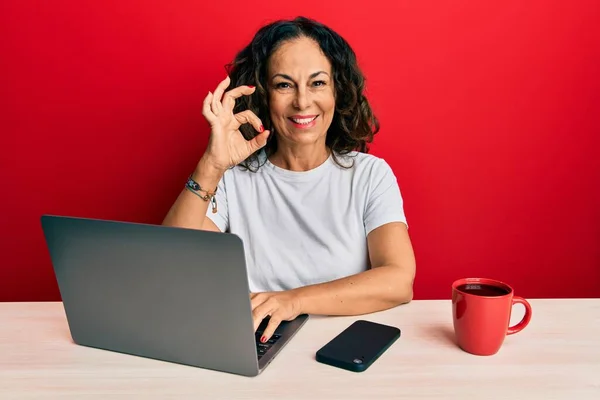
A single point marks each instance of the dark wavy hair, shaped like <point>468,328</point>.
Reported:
<point>353,124</point>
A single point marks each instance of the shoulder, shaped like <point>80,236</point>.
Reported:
<point>365,164</point>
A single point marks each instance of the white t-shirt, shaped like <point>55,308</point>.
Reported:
<point>302,228</point>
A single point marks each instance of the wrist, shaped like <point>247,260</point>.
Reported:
<point>207,175</point>
<point>298,301</point>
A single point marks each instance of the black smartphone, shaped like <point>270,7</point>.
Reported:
<point>357,347</point>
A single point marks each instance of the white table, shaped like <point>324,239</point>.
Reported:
<point>556,357</point>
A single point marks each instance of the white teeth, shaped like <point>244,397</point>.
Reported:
<point>303,121</point>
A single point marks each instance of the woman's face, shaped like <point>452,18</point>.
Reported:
<point>301,92</point>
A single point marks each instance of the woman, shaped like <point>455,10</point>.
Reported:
<point>286,169</point>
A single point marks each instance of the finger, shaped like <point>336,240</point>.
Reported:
<point>236,93</point>
<point>248,117</point>
<point>260,313</point>
<point>258,141</point>
<point>270,329</point>
<point>256,300</point>
<point>206,111</point>
<point>216,101</point>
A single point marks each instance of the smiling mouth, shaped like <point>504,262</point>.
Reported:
<point>303,121</point>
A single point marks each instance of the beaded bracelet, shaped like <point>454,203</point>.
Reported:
<point>195,187</point>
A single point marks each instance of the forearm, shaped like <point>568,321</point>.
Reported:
<point>189,210</point>
<point>370,291</point>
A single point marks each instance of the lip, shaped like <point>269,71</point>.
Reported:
<point>298,116</point>
<point>303,126</point>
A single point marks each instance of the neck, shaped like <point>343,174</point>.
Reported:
<point>299,158</point>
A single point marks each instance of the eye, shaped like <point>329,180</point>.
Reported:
<point>319,83</point>
<point>282,85</point>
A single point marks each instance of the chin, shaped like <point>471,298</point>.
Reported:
<point>305,138</point>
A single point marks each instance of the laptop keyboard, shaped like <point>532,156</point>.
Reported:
<point>262,348</point>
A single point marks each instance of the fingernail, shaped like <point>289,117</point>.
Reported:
<point>263,339</point>
<point>262,128</point>
<point>251,86</point>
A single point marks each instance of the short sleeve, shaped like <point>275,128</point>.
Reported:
<point>221,217</point>
<point>384,200</point>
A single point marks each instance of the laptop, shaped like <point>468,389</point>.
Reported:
<point>171,294</point>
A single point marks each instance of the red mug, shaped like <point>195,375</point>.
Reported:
<point>481,311</point>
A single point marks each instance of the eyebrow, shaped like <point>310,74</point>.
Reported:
<point>290,78</point>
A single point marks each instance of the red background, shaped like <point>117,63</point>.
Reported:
<point>490,114</point>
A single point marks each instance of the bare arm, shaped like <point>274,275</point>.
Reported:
<point>226,147</point>
<point>387,284</point>
<point>189,210</point>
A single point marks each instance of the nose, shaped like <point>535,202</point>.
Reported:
<point>302,99</point>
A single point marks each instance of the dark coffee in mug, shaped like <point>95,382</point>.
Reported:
<point>479,289</point>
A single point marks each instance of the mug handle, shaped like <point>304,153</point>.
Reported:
<point>526,318</point>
